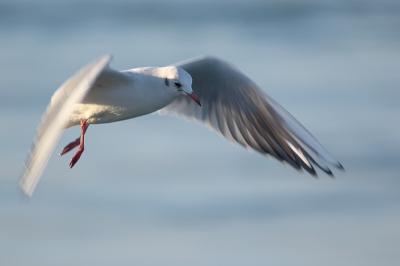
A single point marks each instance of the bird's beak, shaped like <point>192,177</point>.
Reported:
<point>194,97</point>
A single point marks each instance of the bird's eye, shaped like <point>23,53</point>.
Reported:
<point>177,84</point>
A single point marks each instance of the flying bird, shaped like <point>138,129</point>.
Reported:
<point>204,89</point>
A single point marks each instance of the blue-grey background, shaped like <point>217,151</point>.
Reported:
<point>162,191</point>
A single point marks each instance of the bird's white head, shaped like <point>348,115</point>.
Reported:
<point>179,81</point>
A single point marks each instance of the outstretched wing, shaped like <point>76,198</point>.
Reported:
<point>235,107</point>
<point>56,118</point>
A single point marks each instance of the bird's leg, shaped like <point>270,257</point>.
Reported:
<point>74,143</point>
<point>78,142</point>
<point>81,146</point>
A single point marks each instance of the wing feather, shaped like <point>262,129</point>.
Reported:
<point>236,108</point>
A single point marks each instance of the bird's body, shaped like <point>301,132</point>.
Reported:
<point>231,104</point>
<point>117,96</point>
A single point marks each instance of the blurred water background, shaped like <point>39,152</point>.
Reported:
<point>162,191</point>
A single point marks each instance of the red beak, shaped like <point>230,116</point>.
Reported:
<point>194,97</point>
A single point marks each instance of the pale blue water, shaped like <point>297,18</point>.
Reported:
<point>162,191</point>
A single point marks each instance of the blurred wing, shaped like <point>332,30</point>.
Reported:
<point>56,118</point>
<point>235,107</point>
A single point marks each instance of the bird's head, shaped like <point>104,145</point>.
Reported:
<point>179,81</point>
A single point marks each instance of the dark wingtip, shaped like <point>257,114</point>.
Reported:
<point>340,167</point>
<point>331,175</point>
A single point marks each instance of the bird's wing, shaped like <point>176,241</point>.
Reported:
<point>235,107</point>
<point>55,119</point>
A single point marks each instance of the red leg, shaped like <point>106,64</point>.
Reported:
<point>79,141</point>
<point>70,146</point>
<point>74,143</point>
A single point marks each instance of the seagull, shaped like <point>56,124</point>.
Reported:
<point>204,89</point>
